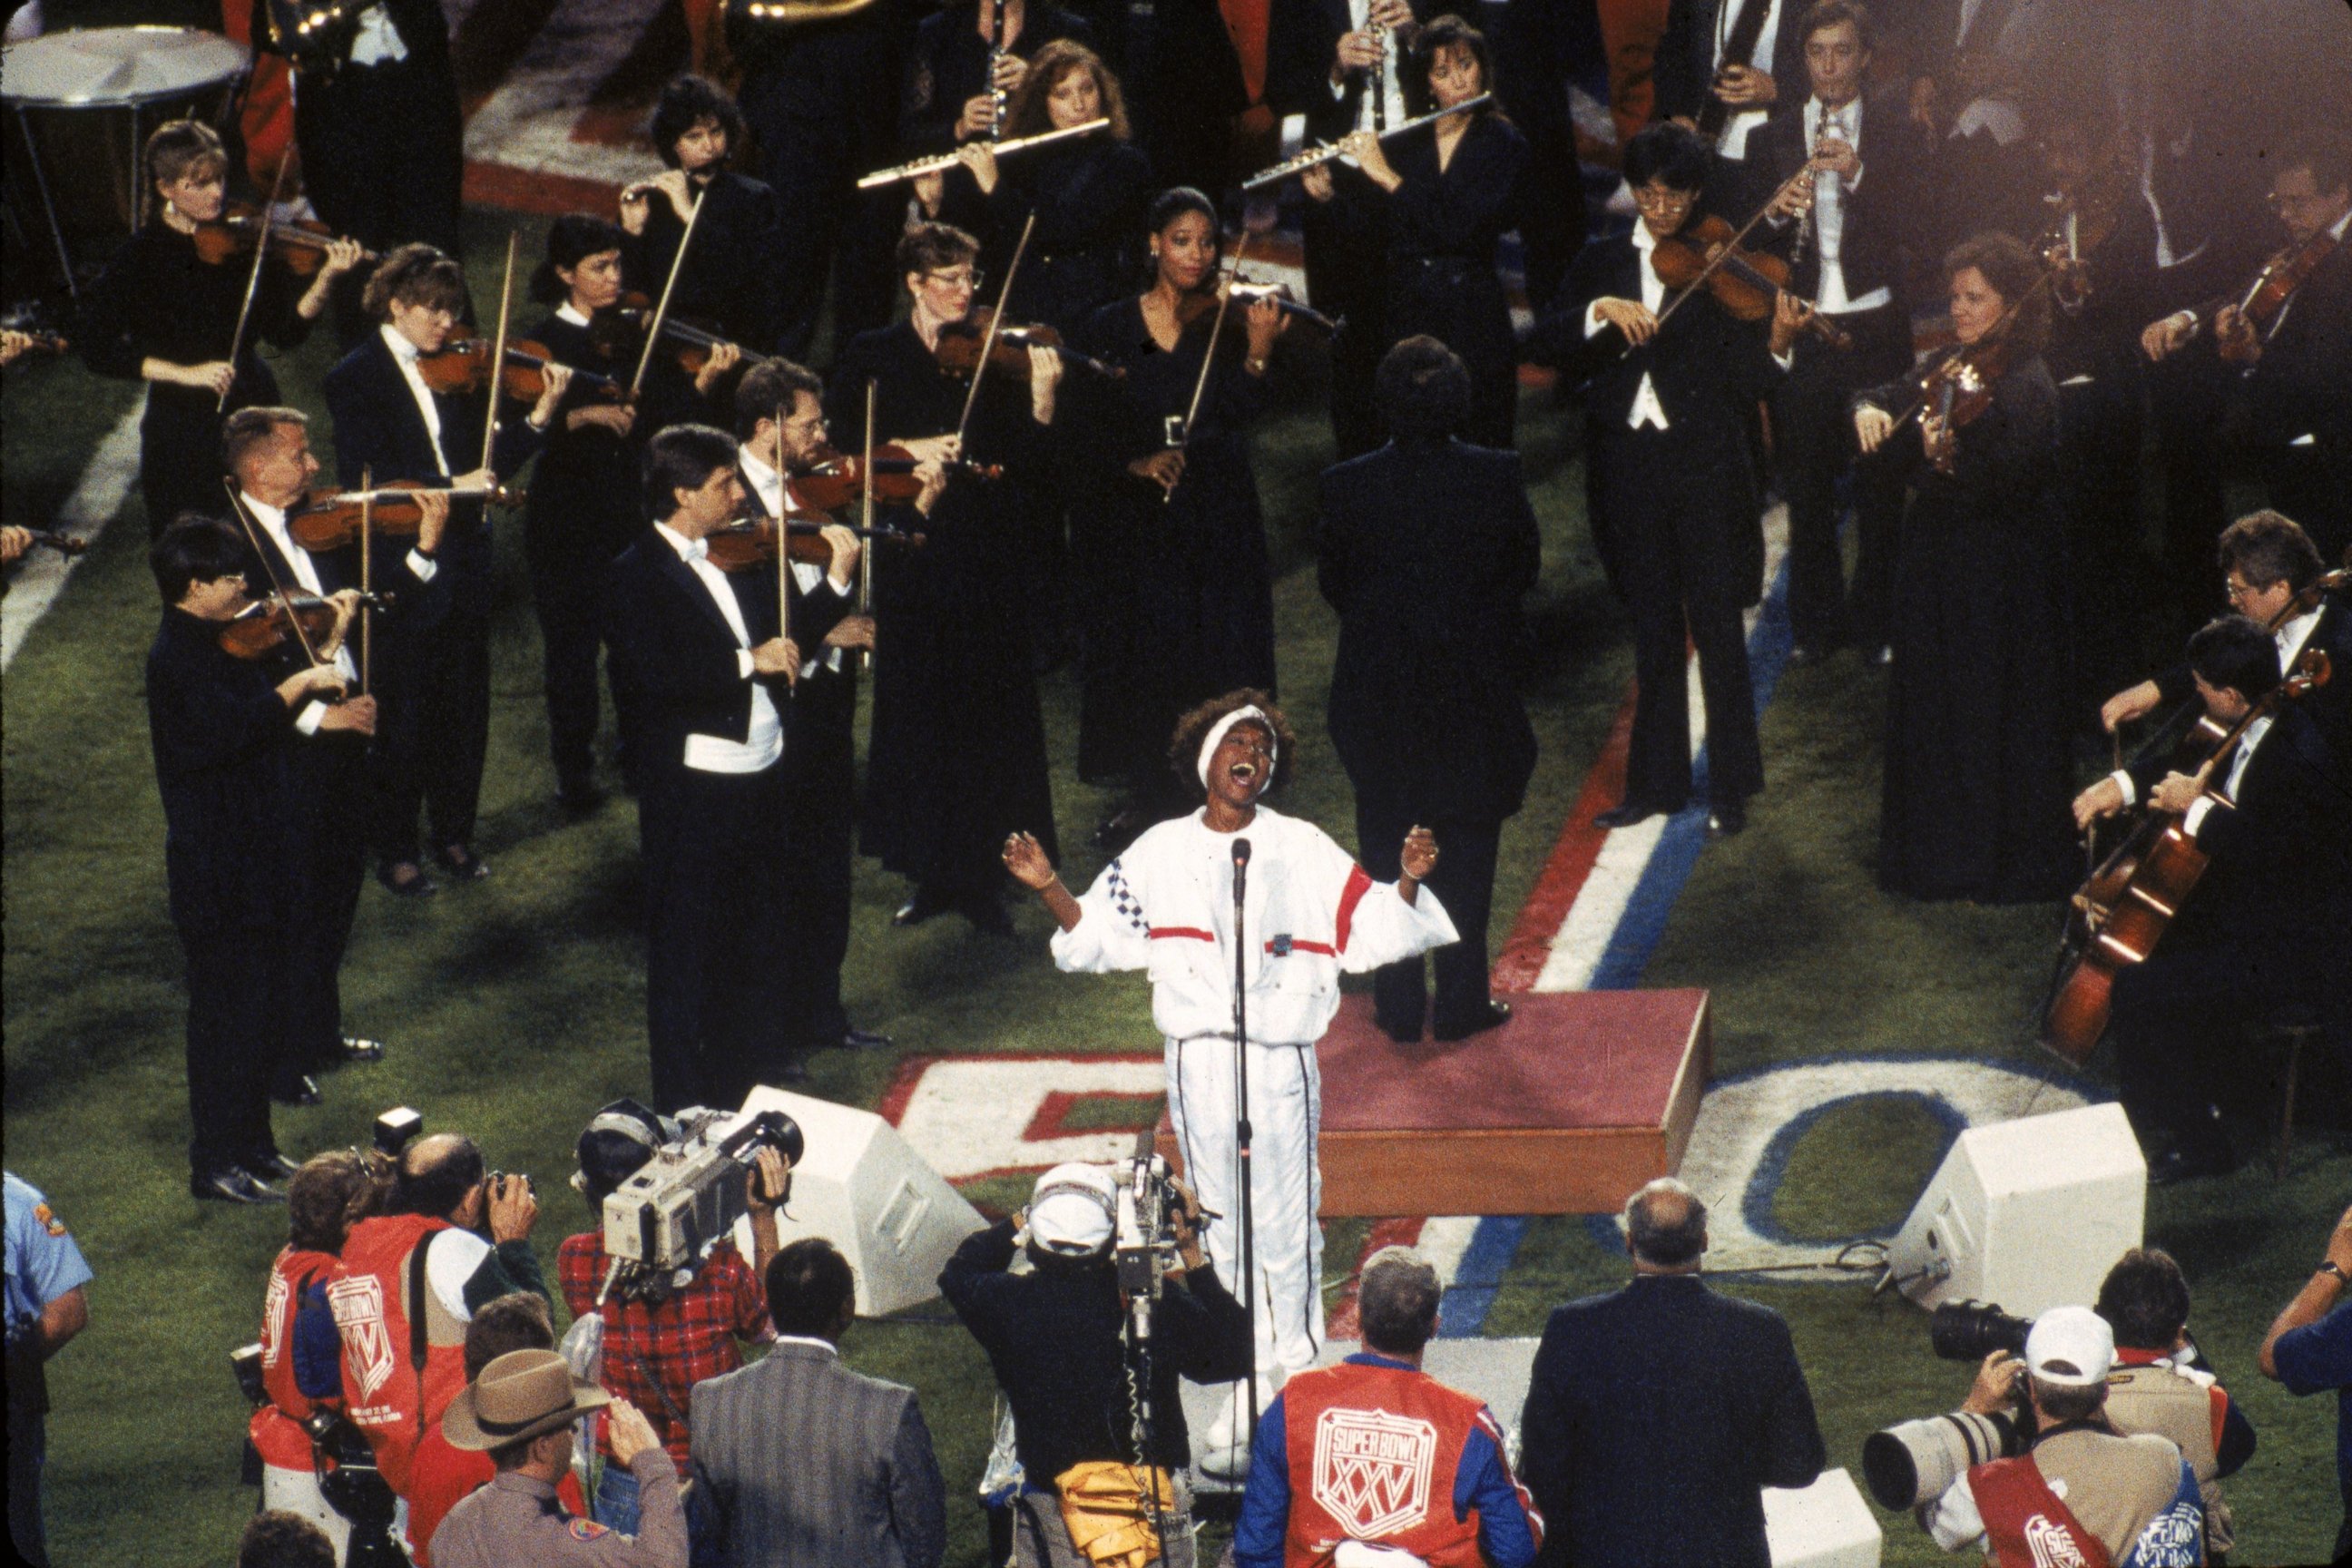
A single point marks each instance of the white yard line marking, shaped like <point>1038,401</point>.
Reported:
<point>105,485</point>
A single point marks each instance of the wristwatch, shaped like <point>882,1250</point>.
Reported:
<point>2328,1267</point>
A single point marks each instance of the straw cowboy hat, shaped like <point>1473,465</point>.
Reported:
<point>521,1395</point>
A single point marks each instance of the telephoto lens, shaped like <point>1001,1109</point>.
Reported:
<point>1907,1464</point>
<point>1971,1330</point>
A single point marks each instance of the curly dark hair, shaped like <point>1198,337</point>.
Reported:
<point>333,1192</point>
<point>685,103</point>
<point>1184,745</point>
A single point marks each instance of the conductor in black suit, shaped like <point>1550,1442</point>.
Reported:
<point>1671,489</point>
<point>1655,1414</point>
<point>1425,548</point>
<point>702,650</point>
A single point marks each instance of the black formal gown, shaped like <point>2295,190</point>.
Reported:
<point>1178,590</point>
<point>1977,772</point>
<point>158,298</point>
<point>1089,195</point>
<point>957,759</point>
<point>1443,228</point>
<point>738,271</point>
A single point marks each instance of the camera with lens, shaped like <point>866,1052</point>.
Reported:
<point>355,1489</point>
<point>497,1180</point>
<point>1917,1461</point>
<point>660,1222</point>
<point>1143,1237</point>
<point>1971,1330</point>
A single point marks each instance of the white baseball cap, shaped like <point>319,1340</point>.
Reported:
<point>2072,1347</point>
<point>1071,1211</point>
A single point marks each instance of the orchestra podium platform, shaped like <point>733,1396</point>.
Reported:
<point>1567,1108</point>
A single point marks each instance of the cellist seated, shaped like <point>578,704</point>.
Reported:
<point>2253,936</point>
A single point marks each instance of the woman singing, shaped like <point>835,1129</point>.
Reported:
<point>1978,778</point>
<point>1171,546</point>
<point>164,315</point>
<point>1451,190</point>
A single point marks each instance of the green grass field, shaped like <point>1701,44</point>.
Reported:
<point>514,1008</point>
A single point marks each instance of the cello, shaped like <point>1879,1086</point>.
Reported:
<point>2122,911</point>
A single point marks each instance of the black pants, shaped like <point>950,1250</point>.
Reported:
<point>237,1007</point>
<point>29,1408</point>
<point>333,791</point>
<point>716,937</point>
<point>1814,433</point>
<point>822,834</point>
<point>811,155</point>
<point>2099,442</point>
<point>1463,882</point>
<point>434,730</point>
<point>2177,1019</point>
<point>570,602</point>
<point>1347,275</point>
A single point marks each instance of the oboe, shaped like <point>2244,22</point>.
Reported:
<point>1380,81</point>
<point>1329,151</point>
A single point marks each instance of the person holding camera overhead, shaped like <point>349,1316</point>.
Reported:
<point>662,1337</point>
<point>2081,1492</point>
<point>1094,1457</point>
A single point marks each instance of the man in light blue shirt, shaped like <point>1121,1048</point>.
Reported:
<point>45,1308</point>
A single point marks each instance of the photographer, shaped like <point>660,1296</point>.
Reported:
<point>2128,1502</point>
<point>1057,1338</point>
<point>300,1353</point>
<point>2162,1384</point>
<point>444,1474</point>
<point>47,1306</point>
<point>410,1281</point>
<point>658,1343</point>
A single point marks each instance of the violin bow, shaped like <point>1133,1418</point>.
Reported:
<point>1208,356</point>
<point>1730,248</point>
<point>252,285</point>
<point>669,285</point>
<point>866,521</point>
<point>261,553</point>
<point>995,321</point>
<point>497,370</point>
<point>367,574</point>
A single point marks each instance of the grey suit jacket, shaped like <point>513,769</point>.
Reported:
<point>806,1464</point>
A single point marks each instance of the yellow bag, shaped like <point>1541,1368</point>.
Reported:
<point>1109,1513</point>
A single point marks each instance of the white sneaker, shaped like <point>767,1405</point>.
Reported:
<point>1226,1461</point>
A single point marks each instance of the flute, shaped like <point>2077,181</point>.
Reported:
<point>932,165</point>
<point>1314,156</point>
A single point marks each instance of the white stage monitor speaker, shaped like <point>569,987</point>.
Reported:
<point>861,1186</point>
<point>1824,1525</point>
<point>2028,1215</point>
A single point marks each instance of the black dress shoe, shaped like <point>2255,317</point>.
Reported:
<point>918,908</point>
<point>792,1071</point>
<point>579,796</point>
<point>855,1039</point>
<point>2177,1165</point>
<point>1728,820</point>
<point>1402,1032</point>
<point>1497,1015</point>
<point>986,912</point>
<point>1631,812</point>
<point>359,1049</point>
<point>416,885</point>
<point>300,1090</point>
<point>271,1167</point>
<point>461,863</point>
<point>230,1185</point>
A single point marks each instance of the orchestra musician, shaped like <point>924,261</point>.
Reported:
<point>1978,766</point>
<point>969,58</point>
<point>957,757</point>
<point>714,677</point>
<point>1175,580</point>
<point>735,271</point>
<point>1848,232</point>
<point>1671,489</point>
<point>821,748</point>
<point>1695,64</point>
<point>1448,191</point>
<point>2255,936</point>
<point>391,425</point>
<point>162,315</point>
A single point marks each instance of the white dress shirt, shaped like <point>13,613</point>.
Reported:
<point>759,750</point>
<point>272,521</point>
<point>2194,817</point>
<point>1828,205</point>
<point>1647,409</point>
<point>1733,143</point>
<point>769,486</point>
<point>378,40</point>
<point>403,355</point>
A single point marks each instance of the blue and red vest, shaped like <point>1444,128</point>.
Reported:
<point>1373,1454</point>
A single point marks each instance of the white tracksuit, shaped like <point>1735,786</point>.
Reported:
<point>1167,906</point>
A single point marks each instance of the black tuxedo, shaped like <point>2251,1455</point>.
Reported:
<point>1191,88</point>
<point>223,743</point>
<point>1686,69</point>
<point>2302,386</point>
<point>434,680</point>
<point>1674,515</point>
<point>2330,706</point>
<point>1425,552</point>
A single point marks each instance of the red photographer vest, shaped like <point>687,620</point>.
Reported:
<point>276,1427</point>
<point>1373,1451</point>
<point>404,1356</point>
<point>2027,1525</point>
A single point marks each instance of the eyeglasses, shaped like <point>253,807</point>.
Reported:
<point>1648,199</point>
<point>2236,592</point>
<point>961,278</point>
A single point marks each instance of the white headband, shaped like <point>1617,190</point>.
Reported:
<point>1217,734</point>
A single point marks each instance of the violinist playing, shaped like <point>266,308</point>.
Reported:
<point>1170,544</point>
<point>267,452</point>
<point>1978,766</point>
<point>392,425</point>
<point>223,730</point>
<point>2292,345</point>
<point>1673,492</point>
<point>2264,924</point>
<point>958,755</point>
<point>820,750</point>
<point>164,315</point>
<point>735,268</point>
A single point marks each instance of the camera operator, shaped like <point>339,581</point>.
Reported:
<point>301,1370</point>
<point>2128,1502</point>
<point>444,1474</point>
<point>410,1281</point>
<point>2162,1384</point>
<point>658,1346</point>
<point>1057,1338</point>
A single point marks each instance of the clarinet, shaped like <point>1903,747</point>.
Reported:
<point>996,53</point>
<point>1380,77</point>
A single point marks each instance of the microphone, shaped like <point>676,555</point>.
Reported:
<point>1241,852</point>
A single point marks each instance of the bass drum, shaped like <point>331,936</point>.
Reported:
<point>80,106</point>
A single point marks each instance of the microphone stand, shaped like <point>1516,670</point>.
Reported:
<point>1242,1127</point>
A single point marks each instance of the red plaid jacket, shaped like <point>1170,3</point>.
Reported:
<point>655,1355</point>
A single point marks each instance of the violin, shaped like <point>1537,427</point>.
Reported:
<point>751,541</point>
<point>1746,283</point>
<point>1956,388</point>
<point>329,520</point>
<point>463,364</point>
<point>2272,287</point>
<point>299,244</point>
<point>2096,206</point>
<point>266,627</point>
<point>1195,307</point>
<point>2121,911</point>
<point>836,478</point>
<point>619,333</point>
<point>958,350</point>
